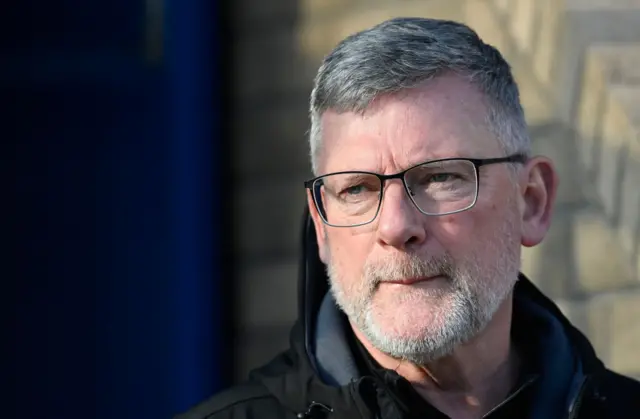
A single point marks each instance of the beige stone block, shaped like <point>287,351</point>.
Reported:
<point>316,37</point>
<point>598,317</point>
<point>482,17</point>
<point>537,102</point>
<point>617,317</point>
<point>592,101</point>
<point>550,264</point>
<point>616,135</point>
<point>629,221</point>
<point>561,150</point>
<point>267,293</point>
<point>628,95</point>
<point>580,29</point>
<point>536,98</point>
<point>546,44</point>
<point>521,21</point>
<point>312,8</point>
<point>606,115</point>
<point>586,5</point>
<point>629,207</point>
<point>600,260</point>
<point>620,63</point>
<point>530,262</point>
<point>503,6</point>
<point>319,9</point>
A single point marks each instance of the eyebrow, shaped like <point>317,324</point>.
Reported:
<point>413,163</point>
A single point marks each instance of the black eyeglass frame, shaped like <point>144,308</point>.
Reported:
<point>477,164</point>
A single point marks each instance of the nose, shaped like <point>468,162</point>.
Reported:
<point>400,224</point>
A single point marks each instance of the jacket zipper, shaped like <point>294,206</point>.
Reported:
<point>511,397</point>
<point>314,409</point>
<point>577,403</point>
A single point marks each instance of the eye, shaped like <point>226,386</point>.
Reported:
<point>441,177</point>
<point>355,190</point>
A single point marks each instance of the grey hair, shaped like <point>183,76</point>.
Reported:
<point>403,53</point>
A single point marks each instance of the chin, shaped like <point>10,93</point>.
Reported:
<point>418,339</point>
<point>412,320</point>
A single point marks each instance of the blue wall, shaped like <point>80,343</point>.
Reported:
<point>115,287</point>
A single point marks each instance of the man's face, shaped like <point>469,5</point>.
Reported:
<point>472,258</point>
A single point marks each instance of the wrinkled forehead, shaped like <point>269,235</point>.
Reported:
<point>445,118</point>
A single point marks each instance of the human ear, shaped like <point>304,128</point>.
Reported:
<point>538,186</point>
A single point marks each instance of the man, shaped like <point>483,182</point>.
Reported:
<point>425,191</point>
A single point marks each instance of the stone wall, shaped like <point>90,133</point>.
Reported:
<point>575,62</point>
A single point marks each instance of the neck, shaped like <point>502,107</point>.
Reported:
<point>472,380</point>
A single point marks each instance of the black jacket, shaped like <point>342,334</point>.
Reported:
<point>324,374</point>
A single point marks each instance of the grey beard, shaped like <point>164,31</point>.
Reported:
<point>470,304</point>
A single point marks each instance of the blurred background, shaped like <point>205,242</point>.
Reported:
<point>158,150</point>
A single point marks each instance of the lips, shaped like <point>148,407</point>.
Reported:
<point>412,281</point>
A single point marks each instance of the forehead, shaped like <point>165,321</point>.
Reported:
<point>447,117</point>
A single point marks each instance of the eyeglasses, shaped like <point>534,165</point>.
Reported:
<point>436,187</point>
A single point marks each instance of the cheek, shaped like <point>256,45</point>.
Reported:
<point>454,229</point>
<point>467,230</point>
<point>347,253</point>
